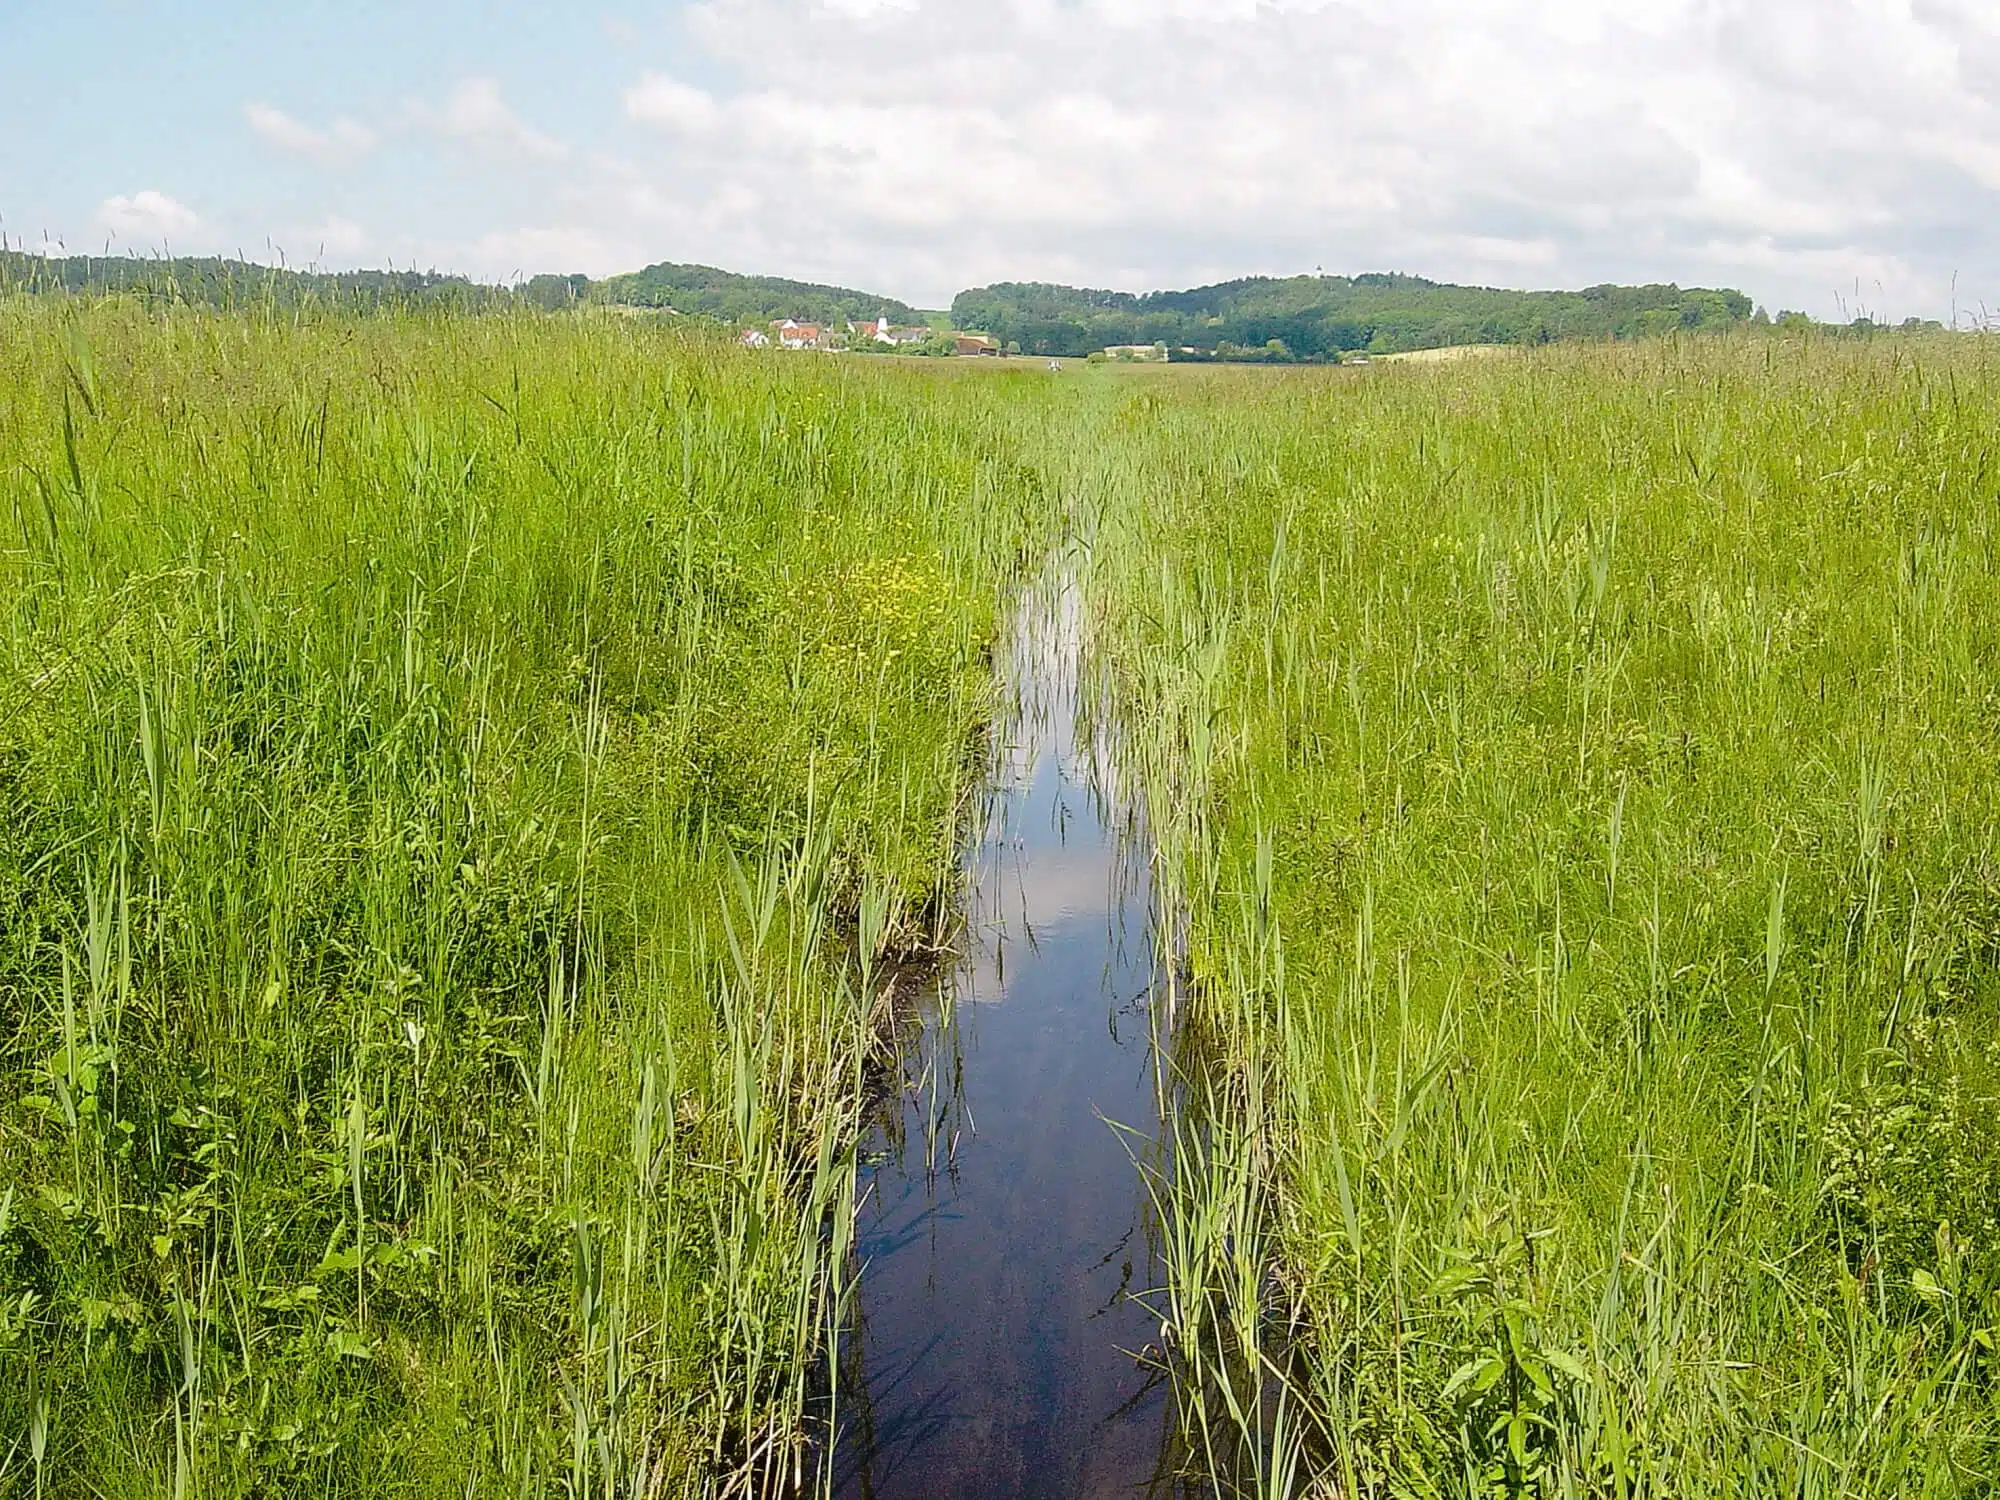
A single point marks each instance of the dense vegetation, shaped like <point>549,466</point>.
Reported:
<point>697,291</point>
<point>211,281</point>
<point>1312,317</point>
<point>1577,769</point>
<point>733,298</point>
<point>456,771</point>
<point>1258,319</point>
<point>444,766</point>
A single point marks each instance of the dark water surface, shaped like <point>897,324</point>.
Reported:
<point>1003,1223</point>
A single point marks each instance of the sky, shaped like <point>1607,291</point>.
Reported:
<point>1837,156</point>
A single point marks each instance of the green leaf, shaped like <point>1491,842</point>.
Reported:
<point>1484,1369</point>
<point>1454,1280</point>
<point>1566,1364</point>
<point>1538,1377</point>
<point>341,1262</point>
<point>345,1343</point>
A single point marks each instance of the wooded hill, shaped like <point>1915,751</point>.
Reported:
<point>700,291</point>
<point>1316,317</point>
<point>1259,318</point>
<point>732,298</point>
<point>217,281</point>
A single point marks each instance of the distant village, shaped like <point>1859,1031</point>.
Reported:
<point>788,333</point>
<point>880,335</point>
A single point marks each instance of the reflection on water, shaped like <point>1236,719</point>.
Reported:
<point>1003,1229</point>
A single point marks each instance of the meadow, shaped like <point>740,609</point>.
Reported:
<point>454,773</point>
<point>462,776</point>
<point>1577,771</point>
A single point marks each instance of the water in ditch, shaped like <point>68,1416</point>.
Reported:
<point>1000,1347</point>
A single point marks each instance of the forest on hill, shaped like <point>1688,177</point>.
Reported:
<point>1317,317</point>
<point>734,298</point>
<point>229,282</point>
<point>1258,319</point>
<point>697,291</point>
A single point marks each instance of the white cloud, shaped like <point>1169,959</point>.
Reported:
<point>334,238</point>
<point>505,254</point>
<point>862,9</point>
<point>1792,145</point>
<point>657,99</point>
<point>1814,152</point>
<point>475,111</point>
<point>342,141</point>
<point>148,219</point>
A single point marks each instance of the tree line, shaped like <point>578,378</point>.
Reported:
<point>1322,317</point>
<point>729,297</point>
<point>1258,318</point>
<point>216,281</point>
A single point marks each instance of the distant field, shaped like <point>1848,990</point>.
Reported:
<point>1451,353</point>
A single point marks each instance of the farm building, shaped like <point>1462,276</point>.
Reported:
<point>792,335</point>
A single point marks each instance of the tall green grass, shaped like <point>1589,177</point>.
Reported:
<point>456,774</point>
<point>1579,773</point>
<point>445,764</point>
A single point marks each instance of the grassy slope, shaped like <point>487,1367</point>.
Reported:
<point>430,752</point>
<point>1580,769</point>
